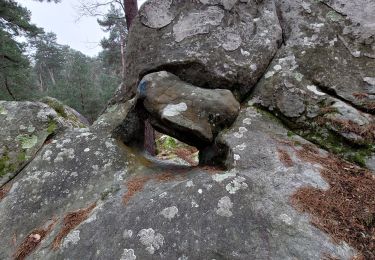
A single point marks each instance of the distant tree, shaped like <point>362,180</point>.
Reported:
<point>113,46</point>
<point>48,59</point>
<point>14,64</point>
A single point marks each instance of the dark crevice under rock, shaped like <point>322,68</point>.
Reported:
<point>331,92</point>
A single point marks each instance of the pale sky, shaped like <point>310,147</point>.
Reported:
<point>83,35</point>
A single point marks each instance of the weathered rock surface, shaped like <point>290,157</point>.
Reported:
<point>86,195</point>
<point>142,209</point>
<point>320,82</point>
<point>191,114</point>
<point>25,126</point>
<point>224,45</point>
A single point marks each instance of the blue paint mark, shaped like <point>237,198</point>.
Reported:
<point>142,87</point>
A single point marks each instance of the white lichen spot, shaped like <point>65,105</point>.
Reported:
<point>47,155</point>
<point>236,185</point>
<point>223,176</point>
<point>286,219</point>
<point>87,150</point>
<point>246,53</point>
<point>237,157</point>
<point>174,110</point>
<point>240,147</point>
<point>190,184</point>
<point>69,153</point>
<point>314,89</point>
<point>269,74</point>
<point>72,238</point>
<point>127,234</point>
<point>200,191</point>
<point>128,254</point>
<point>247,121</point>
<point>253,67</point>
<point>224,207</point>
<point>163,195</point>
<point>198,22</point>
<point>194,204</point>
<point>156,14</point>
<point>232,41</point>
<point>170,212</point>
<point>109,144</point>
<point>151,240</point>
<point>183,257</point>
<point>277,67</point>
<point>240,132</point>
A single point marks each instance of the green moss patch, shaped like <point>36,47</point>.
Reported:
<point>56,105</point>
<point>52,126</point>
<point>3,111</point>
<point>5,165</point>
<point>334,16</point>
<point>338,145</point>
<point>27,141</point>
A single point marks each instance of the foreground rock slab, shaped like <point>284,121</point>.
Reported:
<point>87,196</point>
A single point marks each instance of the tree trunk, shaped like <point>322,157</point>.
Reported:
<point>82,99</point>
<point>52,77</point>
<point>8,89</point>
<point>149,145</point>
<point>122,56</point>
<point>41,85</point>
<point>131,10</point>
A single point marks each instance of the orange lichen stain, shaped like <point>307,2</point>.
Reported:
<point>137,184</point>
<point>70,222</point>
<point>32,241</point>
<point>346,210</point>
<point>134,186</point>
<point>4,191</point>
<point>284,157</point>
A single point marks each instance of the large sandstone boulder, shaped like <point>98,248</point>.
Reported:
<point>25,126</point>
<point>321,81</point>
<point>206,43</point>
<point>192,114</point>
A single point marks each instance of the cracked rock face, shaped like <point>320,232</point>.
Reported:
<point>323,76</point>
<point>210,44</point>
<point>25,126</point>
<point>189,113</point>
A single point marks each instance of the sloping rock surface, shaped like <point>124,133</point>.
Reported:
<point>142,209</point>
<point>25,126</point>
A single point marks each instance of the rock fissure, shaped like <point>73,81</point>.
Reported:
<point>331,92</point>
